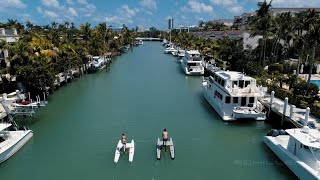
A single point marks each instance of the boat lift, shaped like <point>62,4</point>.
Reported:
<point>20,109</point>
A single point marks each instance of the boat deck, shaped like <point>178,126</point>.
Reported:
<point>14,137</point>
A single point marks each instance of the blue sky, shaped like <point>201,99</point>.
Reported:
<point>146,13</point>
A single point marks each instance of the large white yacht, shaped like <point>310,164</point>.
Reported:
<point>191,63</point>
<point>234,95</point>
<point>12,140</point>
<point>169,50</point>
<point>299,149</point>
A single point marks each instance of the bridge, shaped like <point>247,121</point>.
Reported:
<point>148,39</point>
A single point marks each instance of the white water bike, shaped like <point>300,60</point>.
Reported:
<point>123,148</point>
<point>160,146</point>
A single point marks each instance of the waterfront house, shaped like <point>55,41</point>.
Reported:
<point>9,36</point>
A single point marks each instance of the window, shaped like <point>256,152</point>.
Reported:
<point>222,82</point>
<point>234,83</point>
<point>243,101</point>
<point>241,83</point>
<point>192,64</point>
<point>251,100</point>
<point>216,78</point>
<point>211,79</point>
<point>217,94</point>
<point>228,99</point>
<point>235,100</point>
<point>246,83</point>
<point>219,80</point>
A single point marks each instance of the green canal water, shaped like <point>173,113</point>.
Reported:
<point>75,136</point>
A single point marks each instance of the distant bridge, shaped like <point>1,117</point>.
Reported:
<point>148,39</point>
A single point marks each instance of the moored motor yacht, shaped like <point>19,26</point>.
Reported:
<point>169,50</point>
<point>12,139</point>
<point>234,95</point>
<point>191,63</point>
<point>298,148</point>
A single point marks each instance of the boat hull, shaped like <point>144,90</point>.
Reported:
<point>299,168</point>
<point>131,150</point>
<point>215,106</point>
<point>15,144</point>
<point>191,72</point>
<point>228,114</point>
<point>117,152</point>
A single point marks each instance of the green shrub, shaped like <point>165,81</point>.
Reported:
<point>274,68</point>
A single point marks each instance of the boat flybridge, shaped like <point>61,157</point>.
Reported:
<point>298,148</point>
<point>12,139</point>
<point>234,95</point>
<point>191,63</point>
<point>121,147</point>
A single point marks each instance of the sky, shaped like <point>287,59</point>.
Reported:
<point>132,13</point>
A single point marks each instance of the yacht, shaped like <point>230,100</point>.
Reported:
<point>96,64</point>
<point>181,53</point>
<point>298,148</point>
<point>140,42</point>
<point>191,63</point>
<point>12,139</point>
<point>234,95</point>
<point>169,50</point>
<point>164,42</point>
<point>177,51</point>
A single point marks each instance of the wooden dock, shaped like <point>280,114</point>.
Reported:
<point>289,113</point>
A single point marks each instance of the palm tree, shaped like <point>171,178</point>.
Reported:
<point>312,35</point>
<point>54,25</point>
<point>29,25</point>
<point>261,25</point>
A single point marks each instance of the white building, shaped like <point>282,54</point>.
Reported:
<point>226,22</point>
<point>244,36</point>
<point>9,36</point>
<point>278,10</point>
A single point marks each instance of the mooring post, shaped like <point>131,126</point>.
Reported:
<point>284,109</point>
<point>292,110</point>
<point>306,116</point>
<point>272,98</point>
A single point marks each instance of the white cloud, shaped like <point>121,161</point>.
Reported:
<point>295,3</point>
<point>12,4</point>
<point>236,9</point>
<point>124,15</point>
<point>90,7</point>
<point>47,13</point>
<point>150,4</point>
<point>124,10</point>
<point>231,6</point>
<point>223,2</point>
<point>72,11</point>
<point>50,14</point>
<point>82,2</point>
<point>199,7</point>
<point>51,3</point>
<point>69,2</point>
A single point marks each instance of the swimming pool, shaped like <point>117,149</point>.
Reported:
<point>316,82</point>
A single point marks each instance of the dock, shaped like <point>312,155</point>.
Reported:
<point>148,39</point>
<point>209,68</point>
<point>288,112</point>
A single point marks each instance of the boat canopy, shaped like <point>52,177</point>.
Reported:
<point>310,138</point>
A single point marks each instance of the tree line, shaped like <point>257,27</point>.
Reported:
<point>44,51</point>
